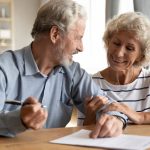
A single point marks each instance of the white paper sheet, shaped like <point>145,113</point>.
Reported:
<point>130,142</point>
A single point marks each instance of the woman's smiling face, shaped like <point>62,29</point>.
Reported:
<point>124,50</point>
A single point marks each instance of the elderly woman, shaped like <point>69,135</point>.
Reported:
<point>127,41</point>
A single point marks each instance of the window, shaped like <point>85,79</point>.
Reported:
<point>93,58</point>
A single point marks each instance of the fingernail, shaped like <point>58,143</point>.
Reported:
<point>92,135</point>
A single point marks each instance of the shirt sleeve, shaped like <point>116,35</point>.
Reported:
<point>83,87</point>
<point>10,122</point>
<point>86,87</point>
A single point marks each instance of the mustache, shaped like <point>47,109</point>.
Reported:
<point>75,52</point>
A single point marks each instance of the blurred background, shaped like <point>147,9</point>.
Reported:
<point>17,17</point>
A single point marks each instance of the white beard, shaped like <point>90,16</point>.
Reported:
<point>63,59</point>
<point>66,61</point>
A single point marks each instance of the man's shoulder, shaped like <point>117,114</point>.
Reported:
<point>6,57</point>
<point>75,72</point>
<point>75,65</point>
<point>75,68</point>
<point>9,59</point>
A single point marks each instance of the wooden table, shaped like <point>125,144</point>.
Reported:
<point>38,140</point>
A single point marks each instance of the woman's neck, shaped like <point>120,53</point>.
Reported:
<point>121,77</point>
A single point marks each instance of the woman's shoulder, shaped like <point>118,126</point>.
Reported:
<point>99,74</point>
<point>145,72</point>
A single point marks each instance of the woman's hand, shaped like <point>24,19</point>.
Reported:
<point>92,105</point>
<point>134,116</point>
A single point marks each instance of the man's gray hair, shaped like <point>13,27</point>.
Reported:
<point>62,13</point>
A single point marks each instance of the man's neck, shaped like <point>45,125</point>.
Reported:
<point>42,57</point>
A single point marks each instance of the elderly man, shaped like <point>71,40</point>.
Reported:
<point>45,71</point>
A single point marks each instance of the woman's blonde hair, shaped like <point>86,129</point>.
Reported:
<point>132,22</point>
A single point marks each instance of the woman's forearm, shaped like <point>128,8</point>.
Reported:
<point>145,119</point>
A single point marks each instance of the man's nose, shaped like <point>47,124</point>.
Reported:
<point>79,50</point>
<point>79,47</point>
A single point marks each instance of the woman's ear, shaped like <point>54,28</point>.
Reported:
<point>54,34</point>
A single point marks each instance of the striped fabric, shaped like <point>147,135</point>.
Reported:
<point>136,94</point>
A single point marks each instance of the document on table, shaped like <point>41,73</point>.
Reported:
<point>124,141</point>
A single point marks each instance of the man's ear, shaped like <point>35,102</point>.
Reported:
<point>54,34</point>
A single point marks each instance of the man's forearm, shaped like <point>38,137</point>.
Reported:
<point>10,123</point>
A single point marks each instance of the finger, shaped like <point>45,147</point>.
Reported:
<point>111,127</point>
<point>108,108</point>
<point>101,101</point>
<point>42,113</point>
<point>109,132</point>
<point>30,100</point>
<point>111,107</point>
<point>37,124</point>
<point>118,126</point>
<point>106,129</point>
<point>100,104</point>
<point>32,108</point>
<point>115,130</point>
<point>95,100</point>
<point>28,113</point>
<point>97,129</point>
<point>88,100</point>
<point>103,98</point>
<point>38,119</point>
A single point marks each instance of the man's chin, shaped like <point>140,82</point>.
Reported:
<point>67,63</point>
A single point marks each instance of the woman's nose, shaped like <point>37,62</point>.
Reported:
<point>120,51</point>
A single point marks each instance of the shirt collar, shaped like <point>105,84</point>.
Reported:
<point>30,65</point>
<point>59,69</point>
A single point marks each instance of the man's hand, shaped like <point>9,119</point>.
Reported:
<point>107,126</point>
<point>32,114</point>
<point>92,105</point>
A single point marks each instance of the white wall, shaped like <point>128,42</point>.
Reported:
<point>43,1</point>
<point>93,58</point>
<point>24,13</point>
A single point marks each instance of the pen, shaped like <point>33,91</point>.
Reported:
<point>17,102</point>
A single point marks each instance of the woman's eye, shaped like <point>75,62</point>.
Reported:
<point>130,48</point>
<point>117,44</point>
